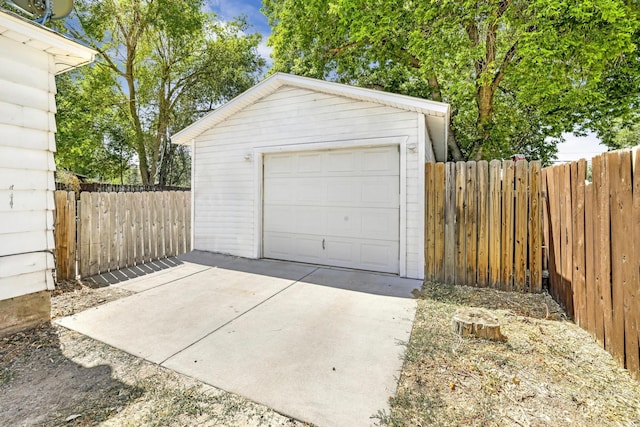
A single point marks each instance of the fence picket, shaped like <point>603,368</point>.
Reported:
<point>521,225</point>
<point>495,221</point>
<point>471,224</point>
<point>483,223</point>
<point>460,252</point>
<point>439,230</point>
<point>429,220</point>
<point>450,224</point>
<point>535,228</point>
<point>506,276</point>
<point>619,165</point>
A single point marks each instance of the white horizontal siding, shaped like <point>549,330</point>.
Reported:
<point>224,187</point>
<point>27,146</point>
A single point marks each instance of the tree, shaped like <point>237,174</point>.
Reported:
<point>517,73</point>
<point>168,63</point>
<point>92,132</point>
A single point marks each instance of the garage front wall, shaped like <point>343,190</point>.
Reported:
<point>227,174</point>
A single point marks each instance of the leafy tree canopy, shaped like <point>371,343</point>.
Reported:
<point>517,73</point>
<point>161,65</point>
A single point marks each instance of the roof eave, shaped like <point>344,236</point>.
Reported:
<point>68,54</point>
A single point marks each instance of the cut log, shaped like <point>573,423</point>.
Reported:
<point>476,322</point>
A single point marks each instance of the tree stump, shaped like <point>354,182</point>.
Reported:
<point>476,322</point>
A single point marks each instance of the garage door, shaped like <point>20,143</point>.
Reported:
<point>334,207</point>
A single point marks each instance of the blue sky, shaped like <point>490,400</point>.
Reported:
<point>573,149</point>
<point>227,10</point>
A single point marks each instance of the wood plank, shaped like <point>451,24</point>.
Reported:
<point>535,227</point>
<point>507,234</point>
<point>578,177</point>
<point>555,247</point>
<point>159,207</point>
<point>153,226</point>
<point>471,224</point>
<point>181,221</point>
<point>114,224</point>
<point>605,254</point>
<point>168,225</point>
<point>567,240</point>
<point>146,228</point>
<point>72,234</point>
<point>429,220</point>
<point>450,224</point>
<point>495,223</point>
<point>129,235</point>
<point>60,236</point>
<point>521,225</point>
<point>623,291</point>
<point>545,221</point>
<point>590,261</point>
<point>600,244</point>
<point>105,232</point>
<point>84,225</point>
<point>138,227</point>
<point>483,223</point>
<point>94,254</point>
<point>461,254</point>
<point>121,207</point>
<point>635,259</point>
<point>439,231</point>
<point>188,246</point>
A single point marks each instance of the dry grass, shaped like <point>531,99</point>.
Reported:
<point>548,373</point>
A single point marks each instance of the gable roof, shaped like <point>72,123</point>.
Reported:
<point>67,54</point>
<point>437,113</point>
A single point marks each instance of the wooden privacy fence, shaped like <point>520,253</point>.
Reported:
<point>593,234</point>
<point>117,230</point>
<point>483,224</point>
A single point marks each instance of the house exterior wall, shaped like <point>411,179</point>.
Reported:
<point>27,145</point>
<point>224,165</point>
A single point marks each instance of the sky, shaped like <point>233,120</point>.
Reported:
<point>574,148</point>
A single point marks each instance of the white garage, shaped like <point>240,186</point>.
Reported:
<point>317,172</point>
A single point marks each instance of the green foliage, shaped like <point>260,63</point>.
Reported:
<point>161,65</point>
<point>517,73</point>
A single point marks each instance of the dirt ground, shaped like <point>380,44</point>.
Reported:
<point>549,372</point>
<point>51,376</point>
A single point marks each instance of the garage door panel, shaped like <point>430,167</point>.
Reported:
<point>337,161</point>
<point>379,160</point>
<point>348,199</point>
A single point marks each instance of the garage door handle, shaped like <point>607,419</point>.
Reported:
<point>322,244</point>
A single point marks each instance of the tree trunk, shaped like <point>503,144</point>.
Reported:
<point>476,322</point>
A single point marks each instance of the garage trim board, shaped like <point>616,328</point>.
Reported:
<point>387,254</point>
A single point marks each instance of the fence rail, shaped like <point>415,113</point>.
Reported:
<point>117,230</point>
<point>593,236</point>
<point>483,224</point>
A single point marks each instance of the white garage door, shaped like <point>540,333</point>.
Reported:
<point>335,207</point>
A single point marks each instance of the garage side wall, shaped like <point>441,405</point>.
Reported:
<point>224,187</point>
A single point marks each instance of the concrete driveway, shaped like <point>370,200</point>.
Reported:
<point>318,344</point>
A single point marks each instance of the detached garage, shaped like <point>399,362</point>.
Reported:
<point>318,172</point>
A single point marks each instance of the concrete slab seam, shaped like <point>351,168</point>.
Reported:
<point>237,317</point>
<point>175,280</point>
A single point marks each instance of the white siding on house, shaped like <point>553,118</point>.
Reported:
<point>27,145</point>
<point>224,187</point>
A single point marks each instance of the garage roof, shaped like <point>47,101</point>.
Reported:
<point>67,53</point>
<point>437,113</point>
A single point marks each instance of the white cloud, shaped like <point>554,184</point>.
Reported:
<point>579,147</point>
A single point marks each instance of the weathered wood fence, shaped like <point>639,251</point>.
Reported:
<point>483,224</point>
<point>593,236</point>
<point>117,230</point>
